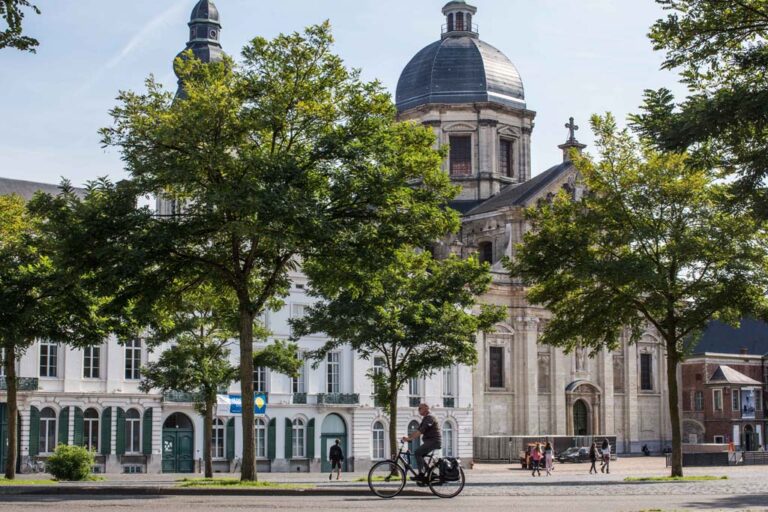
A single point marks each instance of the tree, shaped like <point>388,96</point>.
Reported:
<point>11,11</point>
<point>201,327</point>
<point>655,242</point>
<point>413,314</point>
<point>289,157</point>
<point>720,49</point>
<point>40,298</point>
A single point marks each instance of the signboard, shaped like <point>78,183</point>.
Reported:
<point>748,404</point>
<point>232,405</point>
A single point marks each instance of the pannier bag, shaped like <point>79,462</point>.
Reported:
<point>449,469</point>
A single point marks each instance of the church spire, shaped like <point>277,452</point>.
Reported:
<point>204,34</point>
<point>571,143</point>
<point>458,19</point>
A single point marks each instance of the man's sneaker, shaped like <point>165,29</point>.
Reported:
<point>418,478</point>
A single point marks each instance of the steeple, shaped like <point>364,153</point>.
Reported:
<point>204,34</point>
<point>458,19</point>
<point>571,143</point>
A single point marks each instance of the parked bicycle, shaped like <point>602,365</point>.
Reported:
<point>444,477</point>
<point>33,466</point>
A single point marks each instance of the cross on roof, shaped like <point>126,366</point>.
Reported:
<point>572,129</point>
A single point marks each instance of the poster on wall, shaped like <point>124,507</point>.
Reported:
<point>748,404</point>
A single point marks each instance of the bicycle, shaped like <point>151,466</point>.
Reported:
<point>33,466</point>
<point>387,478</point>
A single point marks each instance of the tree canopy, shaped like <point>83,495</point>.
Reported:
<point>12,12</point>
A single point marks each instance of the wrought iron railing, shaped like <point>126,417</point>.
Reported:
<point>181,396</point>
<point>22,384</point>
<point>299,398</point>
<point>449,402</point>
<point>338,398</point>
<point>456,27</point>
<point>414,401</point>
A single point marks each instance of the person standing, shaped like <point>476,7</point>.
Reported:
<point>336,455</point>
<point>593,458</point>
<point>606,449</point>
<point>548,458</point>
<point>536,457</point>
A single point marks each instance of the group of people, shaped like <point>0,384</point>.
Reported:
<point>604,454</point>
<point>542,456</point>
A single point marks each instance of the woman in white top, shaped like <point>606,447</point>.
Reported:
<point>548,458</point>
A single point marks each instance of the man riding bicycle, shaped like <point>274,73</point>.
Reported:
<point>431,439</point>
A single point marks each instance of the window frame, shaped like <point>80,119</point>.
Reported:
<point>298,439</point>
<point>260,379</point>
<point>449,441</point>
<point>646,372</point>
<point>717,400</point>
<point>333,372</point>
<point>507,157</point>
<point>501,377</point>
<point>133,432</point>
<point>298,383</point>
<point>485,252</point>
<point>459,159</point>
<point>735,400</point>
<point>51,350</point>
<point>133,350</point>
<point>450,381</point>
<point>378,441</point>
<point>218,439</point>
<point>48,431</point>
<point>698,401</point>
<point>91,370</point>
<point>91,430</point>
<point>260,426</point>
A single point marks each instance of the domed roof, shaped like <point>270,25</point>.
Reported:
<point>459,70</point>
<point>205,10</point>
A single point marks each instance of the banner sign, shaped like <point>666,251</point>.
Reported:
<point>229,405</point>
<point>748,404</point>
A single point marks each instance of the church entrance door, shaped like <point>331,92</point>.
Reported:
<point>580,418</point>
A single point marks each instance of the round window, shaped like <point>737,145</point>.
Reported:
<point>213,34</point>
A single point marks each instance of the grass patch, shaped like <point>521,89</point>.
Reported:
<point>375,479</point>
<point>24,481</point>
<point>696,478</point>
<point>234,482</point>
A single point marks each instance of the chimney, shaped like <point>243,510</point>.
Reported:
<point>743,351</point>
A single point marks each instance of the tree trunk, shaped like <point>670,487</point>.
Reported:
<point>13,412</point>
<point>393,439</point>
<point>246,390</point>
<point>674,409</point>
<point>208,436</point>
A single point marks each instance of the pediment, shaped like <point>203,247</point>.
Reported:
<point>459,127</point>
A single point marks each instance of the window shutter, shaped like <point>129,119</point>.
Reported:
<point>77,438</point>
<point>64,426</point>
<point>271,438</point>
<point>120,435</point>
<point>106,431</point>
<point>34,431</point>
<point>230,438</point>
<point>311,439</point>
<point>288,440</point>
<point>146,433</point>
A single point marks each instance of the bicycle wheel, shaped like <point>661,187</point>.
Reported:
<point>386,479</point>
<point>443,488</point>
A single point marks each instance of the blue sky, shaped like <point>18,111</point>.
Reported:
<point>576,58</point>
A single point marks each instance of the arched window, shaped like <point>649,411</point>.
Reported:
<point>468,21</point>
<point>217,439</point>
<point>91,429</point>
<point>448,441</point>
<point>47,430</point>
<point>459,21</point>
<point>450,22</point>
<point>132,431</point>
<point>378,441</point>
<point>299,438</point>
<point>261,438</point>
<point>486,252</point>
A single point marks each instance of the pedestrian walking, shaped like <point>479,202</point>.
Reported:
<point>606,449</point>
<point>536,457</point>
<point>593,458</point>
<point>549,456</point>
<point>336,456</point>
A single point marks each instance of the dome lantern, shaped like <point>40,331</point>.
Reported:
<point>458,19</point>
<point>204,35</point>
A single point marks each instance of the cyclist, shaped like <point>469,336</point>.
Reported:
<point>431,439</point>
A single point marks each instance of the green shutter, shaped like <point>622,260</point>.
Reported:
<point>288,443</point>
<point>78,439</point>
<point>230,438</point>
<point>271,439</point>
<point>64,426</point>
<point>34,431</point>
<point>311,439</point>
<point>146,433</point>
<point>106,431</point>
<point>120,434</point>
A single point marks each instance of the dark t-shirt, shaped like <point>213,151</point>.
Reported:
<point>335,453</point>
<point>430,428</point>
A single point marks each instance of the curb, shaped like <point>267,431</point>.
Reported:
<point>103,490</point>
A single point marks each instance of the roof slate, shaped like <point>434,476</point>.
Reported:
<point>723,339</point>
<point>27,189</point>
<point>726,375</point>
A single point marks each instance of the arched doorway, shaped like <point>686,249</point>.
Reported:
<point>751,439</point>
<point>333,428</point>
<point>178,444</point>
<point>580,419</point>
<point>413,426</point>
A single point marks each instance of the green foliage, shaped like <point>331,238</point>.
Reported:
<point>720,49</point>
<point>11,12</point>
<point>279,356</point>
<point>71,463</point>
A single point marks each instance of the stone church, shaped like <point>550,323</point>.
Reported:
<point>473,97</point>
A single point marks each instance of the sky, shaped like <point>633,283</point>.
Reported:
<point>576,58</point>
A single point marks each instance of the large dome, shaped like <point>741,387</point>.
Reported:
<point>460,68</point>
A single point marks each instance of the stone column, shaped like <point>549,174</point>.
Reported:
<point>606,361</point>
<point>112,459</point>
<point>562,415</point>
<point>528,395</point>
<point>569,416</point>
<point>596,430</point>
<point>631,419</point>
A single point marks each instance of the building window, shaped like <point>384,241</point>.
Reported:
<point>618,374</point>
<point>132,431</point>
<point>47,430</point>
<point>2,362</point>
<point>450,22</point>
<point>378,368</point>
<point>91,362</point>
<point>448,450</point>
<point>485,250</point>
<point>91,429</point>
<point>217,439</point>
<point>735,400</point>
<point>332,372</point>
<point>496,367</point>
<point>646,373</point>
<point>378,441</point>
<point>297,383</point>
<point>298,438</point>
<point>698,401</point>
<point>414,392</point>
<point>718,439</point>
<point>49,359</point>
<point>505,157</point>
<point>459,21</point>
<point>259,379</point>
<point>298,311</point>
<point>261,438</point>
<point>460,154</point>
<point>717,399</point>
<point>133,359</point>
<point>449,381</point>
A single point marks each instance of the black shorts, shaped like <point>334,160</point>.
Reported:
<point>335,464</point>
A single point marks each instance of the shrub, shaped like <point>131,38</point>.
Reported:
<point>70,463</point>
